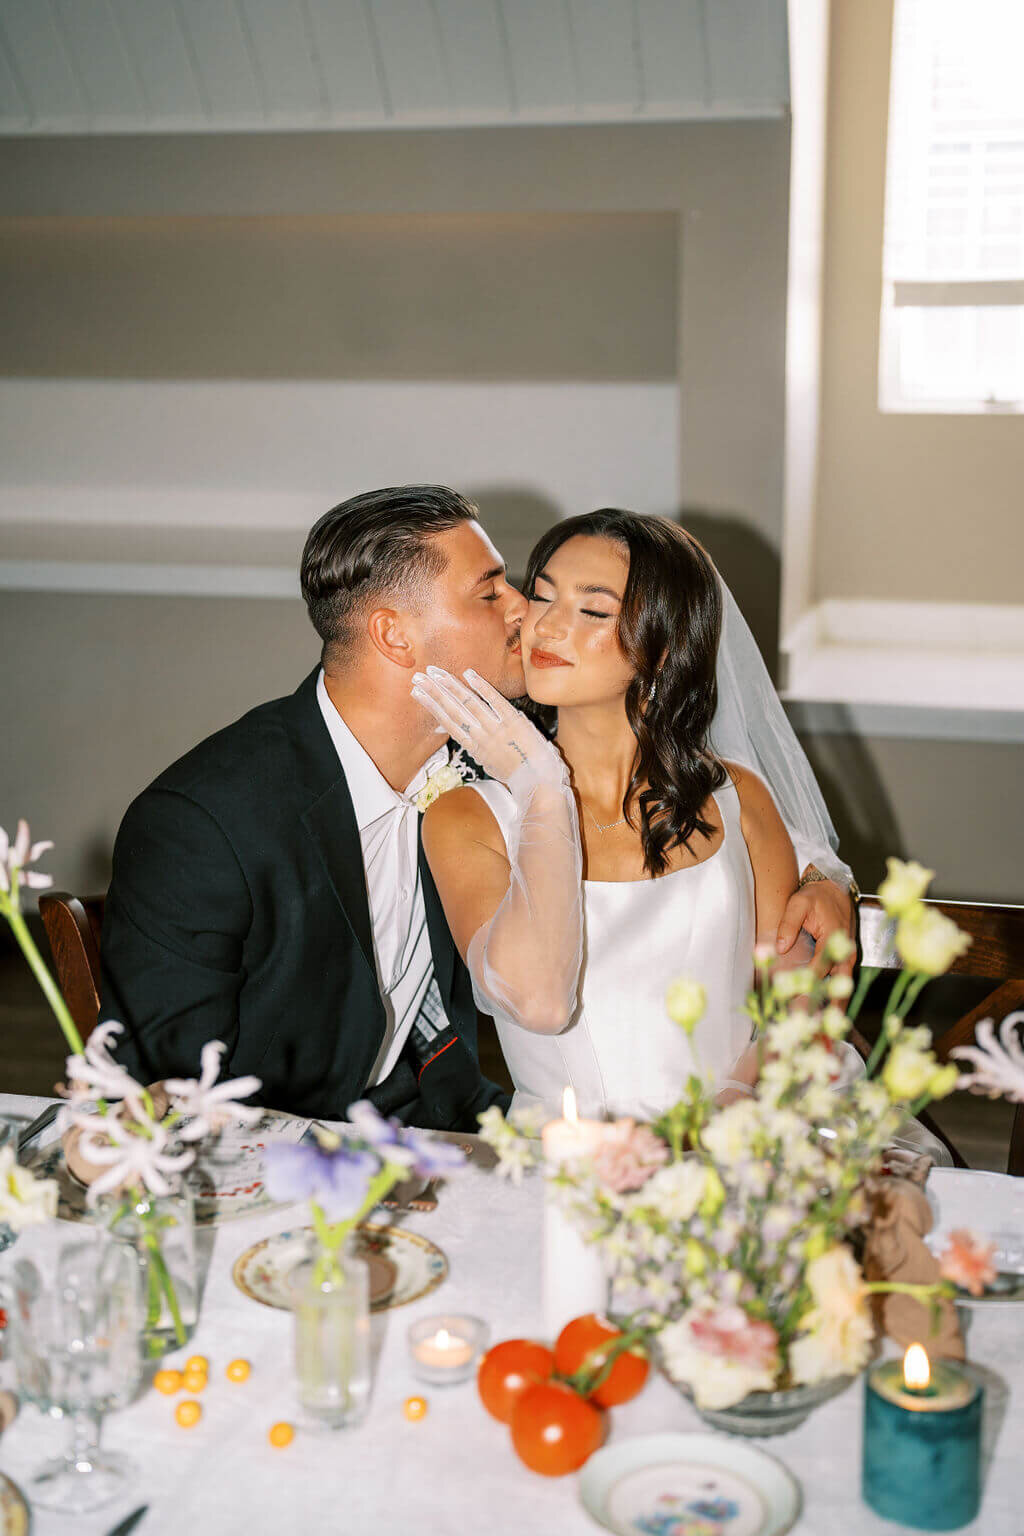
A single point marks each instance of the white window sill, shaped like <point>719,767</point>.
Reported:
<point>946,671</point>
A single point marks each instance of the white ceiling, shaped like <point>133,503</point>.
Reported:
<point>138,66</point>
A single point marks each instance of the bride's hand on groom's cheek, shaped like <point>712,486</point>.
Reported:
<point>820,909</point>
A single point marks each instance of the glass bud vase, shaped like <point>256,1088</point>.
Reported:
<point>332,1339</point>
<point>161,1230</point>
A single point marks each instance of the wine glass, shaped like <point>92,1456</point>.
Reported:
<point>76,1351</point>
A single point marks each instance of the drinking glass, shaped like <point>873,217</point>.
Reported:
<point>75,1347</point>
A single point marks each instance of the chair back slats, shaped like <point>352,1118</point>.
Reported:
<point>73,930</point>
<point>996,954</point>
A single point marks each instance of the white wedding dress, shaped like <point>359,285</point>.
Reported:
<point>622,1054</point>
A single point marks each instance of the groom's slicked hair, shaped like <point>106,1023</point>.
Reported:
<point>375,548</point>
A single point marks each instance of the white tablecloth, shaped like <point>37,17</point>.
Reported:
<point>454,1473</point>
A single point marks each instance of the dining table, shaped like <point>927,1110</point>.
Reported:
<point>452,1472</point>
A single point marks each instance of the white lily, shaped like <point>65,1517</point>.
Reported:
<point>130,1157</point>
<point>998,1068</point>
<point>209,1104</point>
<point>15,858</point>
<point>96,1075</point>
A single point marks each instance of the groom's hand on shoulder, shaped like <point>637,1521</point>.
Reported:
<point>820,907</point>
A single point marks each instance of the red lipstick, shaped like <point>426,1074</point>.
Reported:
<point>546,659</point>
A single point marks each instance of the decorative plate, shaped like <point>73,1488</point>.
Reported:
<point>403,1266</point>
<point>688,1485</point>
<point>992,1206</point>
<point>15,1519</point>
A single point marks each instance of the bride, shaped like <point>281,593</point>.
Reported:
<point>586,873</point>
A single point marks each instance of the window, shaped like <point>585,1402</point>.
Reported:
<point>952,336</point>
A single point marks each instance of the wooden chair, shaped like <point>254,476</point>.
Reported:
<point>73,929</point>
<point>996,954</point>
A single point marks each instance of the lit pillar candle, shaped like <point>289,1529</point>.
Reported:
<point>574,1276</point>
<point>922,1442</point>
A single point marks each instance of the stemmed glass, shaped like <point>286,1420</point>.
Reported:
<point>76,1350</point>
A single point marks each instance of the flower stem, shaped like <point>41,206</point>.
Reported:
<point>50,989</point>
<point>864,980</point>
<point>159,1263</point>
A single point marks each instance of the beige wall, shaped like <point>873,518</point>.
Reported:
<point>924,507</point>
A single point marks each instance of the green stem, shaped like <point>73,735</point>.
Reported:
<point>598,1363</point>
<point>912,993</point>
<point>332,1234</point>
<point>159,1263</point>
<point>899,987</point>
<point>864,980</point>
<point>50,989</point>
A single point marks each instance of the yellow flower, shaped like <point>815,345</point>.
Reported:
<point>685,1002</point>
<point>909,1071</point>
<point>944,1081</point>
<point>903,886</point>
<point>929,942</point>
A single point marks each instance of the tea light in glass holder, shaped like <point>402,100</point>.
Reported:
<point>446,1349</point>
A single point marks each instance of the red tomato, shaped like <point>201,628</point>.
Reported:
<point>590,1332</point>
<point>507,1370</point>
<point>554,1430</point>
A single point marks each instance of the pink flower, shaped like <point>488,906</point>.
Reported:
<point>968,1262</point>
<point>628,1155</point>
<point>16,856</point>
<point>731,1334</point>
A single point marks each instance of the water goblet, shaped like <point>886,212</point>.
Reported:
<point>75,1346</point>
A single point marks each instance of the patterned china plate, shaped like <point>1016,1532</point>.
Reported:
<point>688,1485</point>
<point>403,1266</point>
<point>992,1206</point>
<point>15,1519</point>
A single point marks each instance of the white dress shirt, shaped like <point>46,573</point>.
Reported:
<point>389,835</point>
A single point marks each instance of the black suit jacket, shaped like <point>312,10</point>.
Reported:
<point>238,912</point>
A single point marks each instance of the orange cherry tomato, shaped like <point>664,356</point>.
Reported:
<point>507,1370</point>
<point>188,1414</point>
<point>168,1382</point>
<point>415,1408</point>
<point>588,1333</point>
<point>281,1434</point>
<point>554,1430</point>
<point>238,1370</point>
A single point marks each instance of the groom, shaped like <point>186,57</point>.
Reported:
<point>269,889</point>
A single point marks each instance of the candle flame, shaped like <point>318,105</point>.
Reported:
<point>443,1339</point>
<point>569,1110</point>
<point>917,1372</point>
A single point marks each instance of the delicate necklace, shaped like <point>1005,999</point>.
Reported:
<point>608,825</point>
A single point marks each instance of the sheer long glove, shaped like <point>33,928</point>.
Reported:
<point>525,961</point>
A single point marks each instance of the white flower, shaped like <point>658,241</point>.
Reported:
<point>998,1069</point>
<point>211,1107</point>
<point>96,1075</point>
<point>130,1157</point>
<point>838,988</point>
<point>834,1021</point>
<point>25,1201</point>
<point>445,777</point>
<point>929,942</point>
<point>837,1331</point>
<point>795,983</point>
<point>676,1190</point>
<point>15,858</point>
<point>903,886</point>
<point>730,1131</point>
<point>839,947</point>
<point>716,1379</point>
<point>515,1152</point>
<point>794,1030</point>
<point>685,1002</point>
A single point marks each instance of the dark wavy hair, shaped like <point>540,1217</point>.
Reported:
<point>669,627</point>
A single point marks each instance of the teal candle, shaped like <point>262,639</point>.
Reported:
<point>922,1446</point>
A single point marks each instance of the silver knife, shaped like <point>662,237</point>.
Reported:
<point>37,1126</point>
<point>129,1522</point>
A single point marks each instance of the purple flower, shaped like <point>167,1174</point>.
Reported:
<point>397,1143</point>
<point>336,1180</point>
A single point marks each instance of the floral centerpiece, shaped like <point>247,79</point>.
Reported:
<point>731,1229</point>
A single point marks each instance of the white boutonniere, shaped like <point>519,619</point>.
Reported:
<point>450,775</point>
